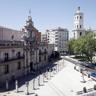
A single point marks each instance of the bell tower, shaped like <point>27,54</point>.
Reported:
<point>78,24</point>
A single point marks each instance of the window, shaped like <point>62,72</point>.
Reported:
<point>56,38</point>
<point>80,26</point>
<point>40,52</point>
<point>45,51</point>
<point>6,69</point>
<point>80,33</point>
<point>19,66</point>
<point>80,17</point>
<point>13,51</point>
<point>77,17</point>
<point>6,57</point>
<point>77,26</point>
<point>45,58</point>
<point>39,58</point>
<point>18,55</point>
<point>12,37</point>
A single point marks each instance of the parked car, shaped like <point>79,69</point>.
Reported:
<point>93,74</point>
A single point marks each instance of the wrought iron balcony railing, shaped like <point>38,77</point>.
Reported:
<point>11,59</point>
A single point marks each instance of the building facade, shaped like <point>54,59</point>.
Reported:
<point>8,34</point>
<point>11,60</point>
<point>21,52</point>
<point>44,38</point>
<point>78,24</point>
<point>59,38</point>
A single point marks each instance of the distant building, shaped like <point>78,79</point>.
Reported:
<point>78,24</point>
<point>59,38</point>
<point>44,38</point>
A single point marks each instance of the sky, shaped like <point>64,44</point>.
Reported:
<point>46,14</point>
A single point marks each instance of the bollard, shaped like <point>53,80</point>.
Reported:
<point>84,90</point>
<point>53,70</point>
<point>56,69</point>
<point>43,77</point>
<point>39,80</point>
<point>27,85</point>
<point>36,94</point>
<point>7,85</point>
<point>50,73</point>
<point>34,84</point>
<point>47,75</point>
<point>16,85</point>
<point>88,75</point>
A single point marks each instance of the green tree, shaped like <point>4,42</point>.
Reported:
<point>71,46</point>
<point>85,45</point>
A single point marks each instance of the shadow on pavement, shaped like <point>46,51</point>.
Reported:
<point>28,77</point>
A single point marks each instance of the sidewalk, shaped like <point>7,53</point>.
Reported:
<point>65,83</point>
<point>22,89</point>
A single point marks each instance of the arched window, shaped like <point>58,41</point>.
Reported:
<point>80,33</point>
<point>80,26</point>
<point>6,69</point>
<point>77,26</point>
<point>80,17</point>
<point>40,52</point>
<point>18,54</point>
<point>19,65</point>
<point>77,17</point>
<point>6,56</point>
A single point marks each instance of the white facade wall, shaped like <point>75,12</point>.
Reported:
<point>10,52</point>
<point>50,49</point>
<point>59,38</point>
<point>44,38</point>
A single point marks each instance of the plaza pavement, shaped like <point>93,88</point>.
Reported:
<point>66,82</point>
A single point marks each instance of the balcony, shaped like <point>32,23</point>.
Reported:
<point>40,53</point>
<point>43,53</point>
<point>4,44</point>
<point>12,59</point>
